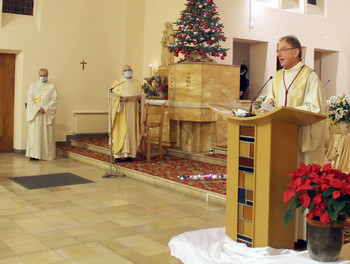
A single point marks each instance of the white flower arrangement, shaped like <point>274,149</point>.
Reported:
<point>259,101</point>
<point>339,108</point>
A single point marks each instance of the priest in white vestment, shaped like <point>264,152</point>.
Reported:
<point>41,112</point>
<point>298,86</point>
<point>125,116</point>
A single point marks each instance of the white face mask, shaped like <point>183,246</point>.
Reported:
<point>43,79</point>
<point>128,74</point>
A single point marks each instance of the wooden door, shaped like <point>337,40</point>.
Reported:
<point>7,87</point>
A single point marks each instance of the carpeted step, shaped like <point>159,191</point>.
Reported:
<point>161,172</point>
<point>101,145</point>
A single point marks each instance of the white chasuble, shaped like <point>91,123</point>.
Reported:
<point>41,127</point>
<point>125,118</point>
<point>306,93</point>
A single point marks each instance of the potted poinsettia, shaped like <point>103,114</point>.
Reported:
<point>325,192</point>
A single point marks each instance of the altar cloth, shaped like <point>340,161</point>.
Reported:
<point>212,246</point>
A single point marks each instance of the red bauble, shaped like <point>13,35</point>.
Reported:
<point>206,27</point>
<point>194,42</point>
<point>188,3</point>
<point>186,56</point>
<point>199,20</point>
<point>170,50</point>
<point>190,27</point>
<point>213,54</point>
<point>175,34</point>
<point>222,57</point>
<point>182,51</point>
<point>197,48</point>
<point>201,52</point>
<point>210,15</point>
<point>189,10</point>
<point>192,3</point>
<point>202,24</point>
<point>208,41</point>
<point>187,52</point>
<point>220,29</point>
<point>179,28</point>
<point>224,54</point>
<point>195,15</point>
<point>197,29</point>
<point>220,36</point>
<point>224,39</point>
<point>185,36</point>
<point>176,54</point>
<point>214,9</point>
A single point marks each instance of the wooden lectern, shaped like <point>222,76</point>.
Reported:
<point>261,151</point>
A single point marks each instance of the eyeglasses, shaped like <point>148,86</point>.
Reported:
<point>283,50</point>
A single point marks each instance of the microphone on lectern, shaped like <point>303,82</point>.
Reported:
<point>324,86</point>
<point>115,86</point>
<point>251,104</point>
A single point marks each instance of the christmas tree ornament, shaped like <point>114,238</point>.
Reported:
<point>197,34</point>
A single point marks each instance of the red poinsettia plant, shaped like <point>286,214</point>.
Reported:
<point>322,190</point>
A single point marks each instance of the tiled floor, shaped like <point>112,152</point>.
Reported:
<point>117,220</point>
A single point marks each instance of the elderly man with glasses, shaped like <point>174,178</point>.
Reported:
<point>298,86</point>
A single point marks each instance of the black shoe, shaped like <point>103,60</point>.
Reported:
<point>116,160</point>
<point>33,159</point>
<point>128,159</point>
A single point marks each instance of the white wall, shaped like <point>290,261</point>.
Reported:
<point>269,24</point>
<point>108,34</point>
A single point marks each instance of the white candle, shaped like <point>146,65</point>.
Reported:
<point>150,70</point>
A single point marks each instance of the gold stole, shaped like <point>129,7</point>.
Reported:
<point>42,93</point>
<point>299,85</point>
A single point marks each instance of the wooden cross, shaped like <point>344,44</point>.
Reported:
<point>83,63</point>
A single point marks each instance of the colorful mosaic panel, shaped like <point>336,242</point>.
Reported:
<point>21,7</point>
<point>246,178</point>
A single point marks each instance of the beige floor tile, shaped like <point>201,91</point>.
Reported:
<point>12,260</point>
<point>165,257</point>
<point>47,257</point>
<point>61,243</point>
<point>75,253</point>
<point>28,248</point>
<point>121,220</point>
<point>115,258</point>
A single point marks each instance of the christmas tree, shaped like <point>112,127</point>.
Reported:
<point>199,31</point>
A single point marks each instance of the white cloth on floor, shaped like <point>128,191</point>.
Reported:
<point>212,246</point>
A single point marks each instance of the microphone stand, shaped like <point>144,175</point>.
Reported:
<point>118,172</point>
<point>251,104</point>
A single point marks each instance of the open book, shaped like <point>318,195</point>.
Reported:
<point>239,112</point>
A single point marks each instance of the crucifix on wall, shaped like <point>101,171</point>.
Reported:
<point>83,64</point>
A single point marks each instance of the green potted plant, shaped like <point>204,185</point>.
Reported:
<point>325,192</point>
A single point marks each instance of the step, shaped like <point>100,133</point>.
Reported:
<point>198,193</point>
<point>207,157</point>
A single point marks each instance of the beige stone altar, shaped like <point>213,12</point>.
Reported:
<point>191,86</point>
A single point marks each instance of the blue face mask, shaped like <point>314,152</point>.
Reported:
<point>128,74</point>
<point>43,79</point>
